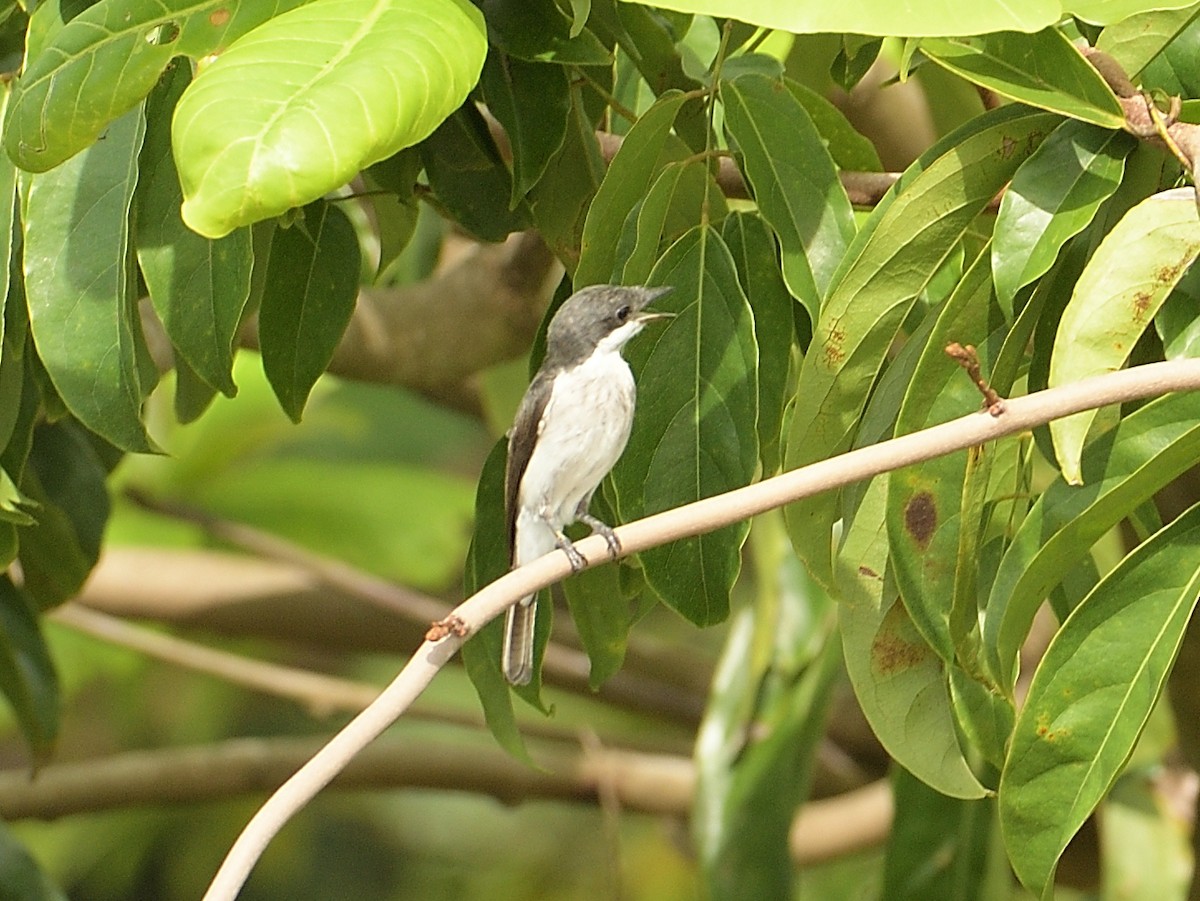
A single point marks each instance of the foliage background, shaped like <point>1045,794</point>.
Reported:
<point>230,199</point>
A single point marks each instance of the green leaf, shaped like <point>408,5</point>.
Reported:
<point>629,177</point>
<point>1116,298</point>
<point>794,180</point>
<point>470,181</point>
<point>938,846</point>
<point>20,877</point>
<point>312,284</point>
<point>921,17</point>
<point>1043,70</point>
<point>82,313</point>
<point>199,287</point>
<point>1134,41</point>
<point>694,429</point>
<point>929,510</point>
<point>103,62</point>
<point>363,79</point>
<point>537,31</point>
<point>681,196</point>
<point>1173,70</point>
<point>900,683</point>
<point>65,478</point>
<point>1178,320</point>
<point>559,202</point>
<point>1091,696</point>
<point>1053,196</point>
<point>1121,470</point>
<point>849,149</point>
<point>533,103</point>
<point>749,788</point>
<point>753,249</point>
<point>893,260</point>
<point>27,675</point>
<point>603,617</point>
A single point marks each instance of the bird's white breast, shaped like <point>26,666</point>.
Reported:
<point>583,430</point>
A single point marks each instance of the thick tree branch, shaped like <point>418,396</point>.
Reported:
<point>1020,414</point>
<point>638,782</point>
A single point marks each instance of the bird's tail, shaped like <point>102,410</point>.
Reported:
<point>517,656</point>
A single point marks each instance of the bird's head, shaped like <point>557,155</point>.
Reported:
<point>601,316</point>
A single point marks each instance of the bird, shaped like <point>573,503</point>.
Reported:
<point>571,427</point>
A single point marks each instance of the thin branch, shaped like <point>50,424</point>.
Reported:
<point>697,518</point>
<point>660,784</point>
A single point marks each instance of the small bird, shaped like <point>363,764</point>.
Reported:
<point>570,429</point>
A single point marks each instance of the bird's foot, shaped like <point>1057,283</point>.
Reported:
<point>600,527</point>
<point>564,544</point>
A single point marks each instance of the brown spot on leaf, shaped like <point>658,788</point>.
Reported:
<point>891,651</point>
<point>1141,303</point>
<point>218,17</point>
<point>921,518</point>
<point>867,572</point>
<point>831,350</point>
<point>1007,147</point>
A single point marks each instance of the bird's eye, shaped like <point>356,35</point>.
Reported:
<point>623,314</point>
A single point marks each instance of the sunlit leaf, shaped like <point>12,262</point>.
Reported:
<point>1053,196</point>
<point>1116,298</point>
<point>1134,41</point>
<point>1043,70</point>
<point>1121,470</point>
<point>893,259</point>
<point>362,79</point>
<point>104,61</point>
<point>1092,694</point>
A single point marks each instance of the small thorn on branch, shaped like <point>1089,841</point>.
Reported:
<point>968,359</point>
<point>451,625</point>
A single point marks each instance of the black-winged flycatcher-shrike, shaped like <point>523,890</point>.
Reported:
<point>570,429</point>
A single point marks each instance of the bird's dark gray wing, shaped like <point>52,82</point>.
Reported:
<point>521,440</point>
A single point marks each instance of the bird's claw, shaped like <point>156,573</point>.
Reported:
<point>600,527</point>
<point>575,558</point>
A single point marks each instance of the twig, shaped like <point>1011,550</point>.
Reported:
<point>697,518</point>
<point>968,359</point>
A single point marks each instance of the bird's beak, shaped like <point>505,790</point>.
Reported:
<point>649,295</point>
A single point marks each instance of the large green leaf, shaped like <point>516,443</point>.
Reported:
<point>199,287</point>
<point>82,313</point>
<point>1054,196</point>
<point>1115,300</point>
<point>1092,695</point>
<point>1135,41</point>
<point>921,17</point>
<point>795,182</point>
<point>312,284</point>
<point>900,683</point>
<point>932,523</point>
<point>1121,470</point>
<point>538,31</point>
<point>104,61</point>
<point>676,201</point>
<point>753,249</point>
<point>629,177</point>
<point>894,258</point>
<point>337,85</point>
<point>694,430</point>
<point>1043,70</point>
